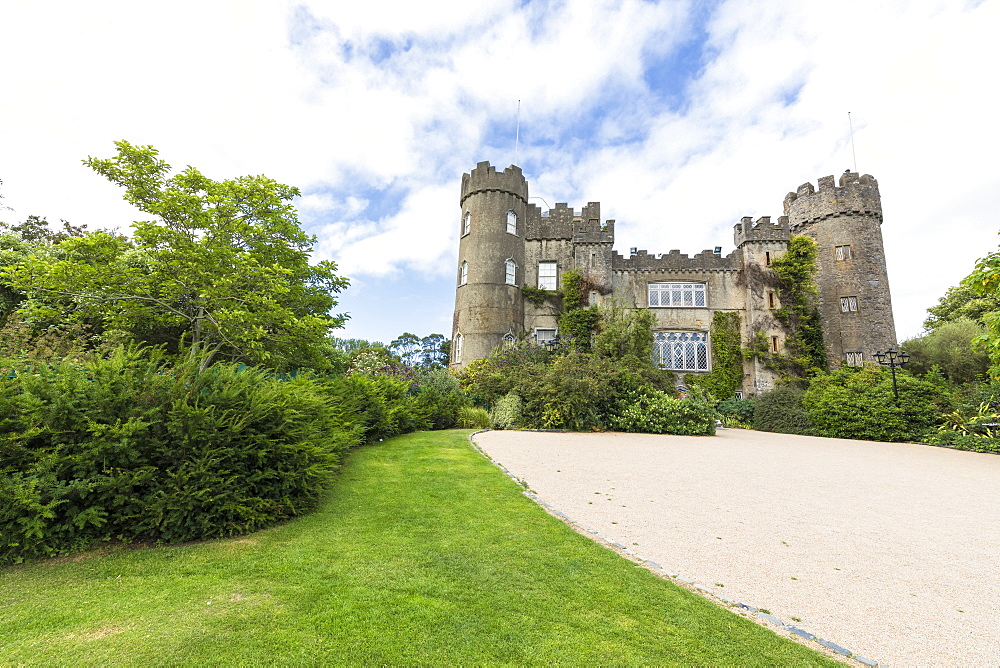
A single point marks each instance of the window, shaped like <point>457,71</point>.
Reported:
<point>855,358</point>
<point>544,336</point>
<point>510,272</point>
<point>463,273</point>
<point>681,351</point>
<point>843,252</point>
<point>772,300</point>
<point>676,294</point>
<point>547,275</point>
<point>775,345</point>
<point>512,222</point>
<point>848,304</point>
<point>466,223</point>
<point>458,347</point>
<point>767,258</point>
<point>507,340</point>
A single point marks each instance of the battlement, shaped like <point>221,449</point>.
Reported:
<point>562,222</point>
<point>855,195</point>
<point>642,260</point>
<point>485,178</point>
<point>761,229</point>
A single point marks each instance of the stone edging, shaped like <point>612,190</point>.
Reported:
<point>656,568</point>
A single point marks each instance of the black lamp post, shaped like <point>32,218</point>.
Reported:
<point>892,358</point>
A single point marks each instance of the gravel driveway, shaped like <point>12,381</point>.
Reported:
<point>891,550</point>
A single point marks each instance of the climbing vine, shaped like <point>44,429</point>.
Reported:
<point>537,296</point>
<point>726,376</point>
<point>799,315</point>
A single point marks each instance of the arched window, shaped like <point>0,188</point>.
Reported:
<point>463,273</point>
<point>508,340</point>
<point>458,347</point>
<point>510,272</point>
<point>512,222</point>
<point>466,223</point>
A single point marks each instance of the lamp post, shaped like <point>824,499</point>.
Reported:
<point>892,358</point>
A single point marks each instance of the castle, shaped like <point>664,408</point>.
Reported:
<point>506,242</point>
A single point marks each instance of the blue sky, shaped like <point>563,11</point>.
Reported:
<point>679,117</point>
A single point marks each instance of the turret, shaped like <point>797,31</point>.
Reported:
<point>854,301</point>
<point>492,226</point>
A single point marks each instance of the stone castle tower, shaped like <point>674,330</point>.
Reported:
<point>506,243</point>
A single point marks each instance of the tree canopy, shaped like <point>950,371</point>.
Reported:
<point>221,268</point>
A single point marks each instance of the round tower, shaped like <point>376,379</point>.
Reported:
<point>854,300</point>
<point>488,301</point>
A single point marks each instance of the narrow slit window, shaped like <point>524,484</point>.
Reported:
<point>767,258</point>
<point>775,344</point>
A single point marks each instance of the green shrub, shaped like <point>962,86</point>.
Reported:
<point>859,403</point>
<point>781,411</point>
<point>736,412</point>
<point>126,446</point>
<point>963,441</point>
<point>506,414</point>
<point>657,413</point>
<point>473,417</point>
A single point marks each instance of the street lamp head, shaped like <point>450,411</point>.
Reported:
<point>880,356</point>
<point>904,358</point>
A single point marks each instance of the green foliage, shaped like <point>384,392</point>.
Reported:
<point>625,333</point>
<point>573,294</point>
<point>985,282</point>
<point>537,296</point>
<point>127,446</point>
<point>780,410</point>
<point>652,412</point>
<point>959,303</point>
<point>506,414</point>
<point>963,441</point>
<point>577,325</point>
<point>796,271</point>
<point>726,376</point>
<point>736,412</point>
<point>949,347</point>
<point>223,268</point>
<point>859,403</point>
<point>473,417</point>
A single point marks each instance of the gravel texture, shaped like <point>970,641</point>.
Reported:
<point>890,550</point>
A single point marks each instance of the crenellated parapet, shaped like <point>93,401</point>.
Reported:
<point>856,195</point>
<point>486,178</point>
<point>563,222</point>
<point>761,229</point>
<point>642,260</point>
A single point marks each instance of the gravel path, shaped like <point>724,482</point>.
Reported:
<point>891,550</point>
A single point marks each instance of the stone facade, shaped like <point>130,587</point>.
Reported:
<point>507,242</point>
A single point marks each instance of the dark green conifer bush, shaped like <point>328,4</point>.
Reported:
<point>781,411</point>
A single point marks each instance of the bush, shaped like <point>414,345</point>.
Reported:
<point>507,412</point>
<point>781,411</point>
<point>736,412</point>
<point>859,403</point>
<point>963,441</point>
<point>656,413</point>
<point>473,417</point>
<point>128,447</point>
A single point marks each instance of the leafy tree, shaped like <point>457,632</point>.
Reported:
<point>985,281</point>
<point>961,302</point>
<point>408,347</point>
<point>435,350</point>
<point>222,268</point>
<point>949,347</point>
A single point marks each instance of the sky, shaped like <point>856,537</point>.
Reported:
<point>680,117</point>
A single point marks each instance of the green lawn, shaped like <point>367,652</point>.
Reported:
<point>423,553</point>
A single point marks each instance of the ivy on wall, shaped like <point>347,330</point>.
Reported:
<point>726,376</point>
<point>799,315</point>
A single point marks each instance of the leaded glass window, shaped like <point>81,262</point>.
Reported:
<point>458,347</point>
<point>508,340</point>
<point>677,295</point>
<point>681,351</point>
<point>848,304</point>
